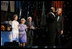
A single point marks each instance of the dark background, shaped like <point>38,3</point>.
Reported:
<point>35,10</point>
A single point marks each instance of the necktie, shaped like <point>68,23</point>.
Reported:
<point>58,18</point>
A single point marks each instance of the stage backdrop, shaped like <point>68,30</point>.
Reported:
<point>4,5</point>
<point>12,6</point>
<point>58,4</point>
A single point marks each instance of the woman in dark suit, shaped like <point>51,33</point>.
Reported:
<point>51,24</point>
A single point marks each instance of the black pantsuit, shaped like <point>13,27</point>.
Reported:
<point>51,24</point>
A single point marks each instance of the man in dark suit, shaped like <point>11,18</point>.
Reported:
<point>51,24</point>
<point>30,32</point>
<point>59,25</point>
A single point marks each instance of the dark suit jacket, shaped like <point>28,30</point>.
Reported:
<point>32,24</point>
<point>59,24</point>
<point>51,23</point>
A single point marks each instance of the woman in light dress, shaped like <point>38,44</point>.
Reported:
<point>15,29</point>
<point>22,33</point>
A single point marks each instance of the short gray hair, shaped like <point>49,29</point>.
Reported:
<point>29,18</point>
